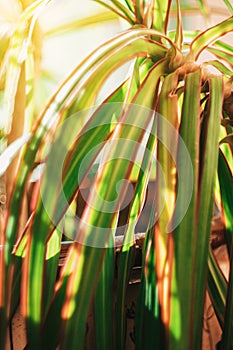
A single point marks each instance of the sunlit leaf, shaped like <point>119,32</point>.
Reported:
<point>222,54</point>
<point>109,146</point>
<point>11,151</point>
<point>221,67</point>
<point>181,304</point>
<point>104,301</point>
<point>208,164</point>
<point>135,209</point>
<point>119,9</point>
<point>209,36</point>
<point>161,15</point>
<point>18,49</point>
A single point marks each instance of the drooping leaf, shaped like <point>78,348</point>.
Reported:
<point>208,37</point>
<point>221,67</point>
<point>98,216</point>
<point>120,10</point>
<point>222,54</point>
<point>50,116</point>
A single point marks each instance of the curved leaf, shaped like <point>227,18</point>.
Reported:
<point>120,10</point>
<point>208,37</point>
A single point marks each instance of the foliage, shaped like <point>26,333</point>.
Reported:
<point>172,115</point>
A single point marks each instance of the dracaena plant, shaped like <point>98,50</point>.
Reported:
<point>171,116</point>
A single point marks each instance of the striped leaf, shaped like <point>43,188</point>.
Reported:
<point>181,326</point>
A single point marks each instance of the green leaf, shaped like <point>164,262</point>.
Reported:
<point>124,10</point>
<point>44,221</point>
<point>149,329</point>
<point>130,5</point>
<point>227,342</point>
<point>226,190</point>
<point>80,276</point>
<point>104,301</point>
<point>126,254</point>
<point>221,67</point>
<point>229,5</point>
<point>208,165</point>
<point>108,58</point>
<point>222,54</point>
<point>208,37</point>
<point>204,8</point>
<point>51,267</point>
<point>183,302</point>
<point>97,135</point>
<point>120,10</point>
<point>50,116</point>
<point>99,219</point>
<point>139,10</point>
<point>217,288</point>
<point>161,15</point>
<point>165,188</point>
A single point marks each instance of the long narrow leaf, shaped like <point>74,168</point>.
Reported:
<point>227,342</point>
<point>221,67</point>
<point>181,326</point>
<point>104,301</point>
<point>122,165</point>
<point>135,209</point>
<point>217,288</point>
<point>161,15</point>
<point>222,54</point>
<point>165,187</point>
<point>46,123</point>
<point>229,5</point>
<point>208,37</point>
<point>208,148</point>
<point>120,10</point>
<point>226,190</point>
